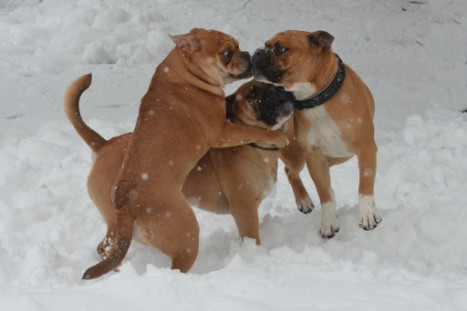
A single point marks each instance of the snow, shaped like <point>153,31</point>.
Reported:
<point>412,55</point>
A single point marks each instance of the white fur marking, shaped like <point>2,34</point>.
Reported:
<point>329,224</point>
<point>302,90</point>
<point>369,216</point>
<point>325,133</point>
<point>261,78</point>
<point>366,203</point>
<point>280,123</point>
<point>305,205</point>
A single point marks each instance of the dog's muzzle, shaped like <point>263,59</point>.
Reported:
<point>245,56</point>
<point>263,69</point>
<point>261,58</point>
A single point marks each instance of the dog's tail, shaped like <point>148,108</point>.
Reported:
<point>72,95</point>
<point>125,221</point>
<point>122,244</point>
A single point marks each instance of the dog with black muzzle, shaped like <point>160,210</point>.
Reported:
<point>333,120</point>
<point>225,181</point>
<point>236,180</point>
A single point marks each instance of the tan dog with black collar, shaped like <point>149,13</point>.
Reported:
<point>181,117</point>
<point>334,121</point>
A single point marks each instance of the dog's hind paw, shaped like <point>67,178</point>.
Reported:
<point>305,205</point>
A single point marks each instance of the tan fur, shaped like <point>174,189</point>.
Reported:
<point>230,180</point>
<point>329,134</point>
<point>181,116</point>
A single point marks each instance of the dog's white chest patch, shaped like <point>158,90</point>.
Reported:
<point>302,90</point>
<point>325,134</point>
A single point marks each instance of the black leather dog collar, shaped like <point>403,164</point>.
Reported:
<point>325,94</point>
<point>264,148</point>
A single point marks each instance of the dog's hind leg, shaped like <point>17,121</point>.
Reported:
<point>169,224</point>
<point>244,209</point>
<point>294,162</point>
<point>318,168</point>
<point>369,215</point>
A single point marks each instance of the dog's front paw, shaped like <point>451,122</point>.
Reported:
<point>370,220</point>
<point>280,140</point>
<point>327,231</point>
<point>283,141</point>
<point>369,216</point>
<point>329,223</point>
<point>305,205</point>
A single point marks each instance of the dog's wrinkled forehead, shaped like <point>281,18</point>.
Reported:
<point>266,92</point>
<point>288,38</point>
<point>207,41</point>
<point>221,41</point>
<point>298,39</point>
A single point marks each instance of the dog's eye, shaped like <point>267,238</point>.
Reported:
<point>227,53</point>
<point>279,50</point>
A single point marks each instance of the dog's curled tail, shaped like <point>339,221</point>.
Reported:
<point>72,96</point>
<point>125,221</point>
<point>122,244</point>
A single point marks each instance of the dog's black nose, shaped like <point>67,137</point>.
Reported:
<point>261,58</point>
<point>246,56</point>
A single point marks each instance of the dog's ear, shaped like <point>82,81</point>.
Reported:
<point>187,43</point>
<point>321,39</point>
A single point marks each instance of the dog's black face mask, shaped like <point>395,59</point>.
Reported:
<point>262,69</point>
<point>272,104</point>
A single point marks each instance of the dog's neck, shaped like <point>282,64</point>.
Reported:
<point>174,69</point>
<point>319,77</point>
<point>328,90</point>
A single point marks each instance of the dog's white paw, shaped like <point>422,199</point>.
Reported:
<point>327,231</point>
<point>369,215</point>
<point>305,205</point>
<point>370,220</point>
<point>329,223</point>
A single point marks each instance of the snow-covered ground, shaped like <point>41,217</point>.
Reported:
<point>412,55</point>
